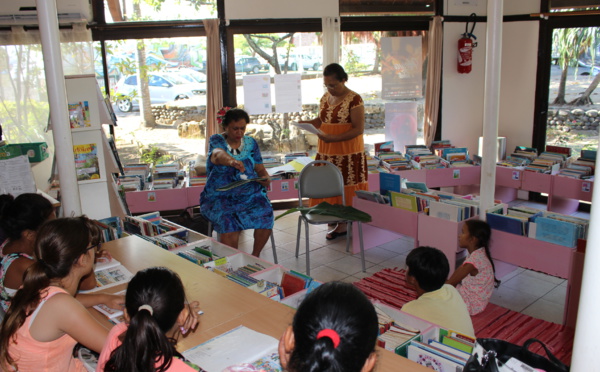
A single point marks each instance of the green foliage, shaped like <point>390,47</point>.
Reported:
<point>324,208</point>
<point>154,156</point>
<point>353,63</point>
<point>24,122</point>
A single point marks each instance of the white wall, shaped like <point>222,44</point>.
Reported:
<point>462,94</point>
<point>466,7</point>
<point>518,82</point>
<point>256,9</point>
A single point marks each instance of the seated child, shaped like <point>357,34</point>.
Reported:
<point>437,302</point>
<point>334,329</point>
<point>44,320</point>
<point>475,278</point>
<point>156,311</point>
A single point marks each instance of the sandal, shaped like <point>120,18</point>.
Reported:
<point>334,235</point>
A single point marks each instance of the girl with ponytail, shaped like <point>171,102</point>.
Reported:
<point>334,330</point>
<point>45,321</point>
<point>156,309</point>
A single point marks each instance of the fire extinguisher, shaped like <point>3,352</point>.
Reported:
<point>465,48</point>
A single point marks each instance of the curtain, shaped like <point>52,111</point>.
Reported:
<point>434,79</point>
<point>214,88</point>
<point>331,40</point>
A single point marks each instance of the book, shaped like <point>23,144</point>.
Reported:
<point>404,201</point>
<point>237,346</point>
<point>291,284</point>
<point>389,182</point>
<point>240,183</point>
<point>109,312</point>
<point>79,114</point>
<point>113,274</point>
<point>86,162</point>
<point>432,360</point>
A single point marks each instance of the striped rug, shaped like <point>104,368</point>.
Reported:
<point>389,286</point>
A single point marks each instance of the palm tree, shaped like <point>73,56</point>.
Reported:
<point>570,44</point>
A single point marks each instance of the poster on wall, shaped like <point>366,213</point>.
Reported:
<point>257,94</point>
<point>401,67</point>
<point>288,93</point>
<point>401,124</point>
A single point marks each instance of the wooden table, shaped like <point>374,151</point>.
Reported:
<point>226,304</point>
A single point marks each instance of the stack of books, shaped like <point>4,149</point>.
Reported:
<point>134,177</point>
<point>582,168</point>
<point>394,161</point>
<point>111,228</point>
<point>412,201</point>
<point>150,224</point>
<point>271,161</point>
<point>391,333</point>
<point>453,208</point>
<point>559,228</point>
<point>372,164</point>
<point>165,176</point>
<point>196,181</point>
<point>422,158</point>
<point>380,147</point>
<point>514,220</point>
<point>449,354</point>
<point>289,157</point>
<point>131,183</point>
<point>521,157</point>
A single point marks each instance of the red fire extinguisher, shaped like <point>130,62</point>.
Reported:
<point>465,48</point>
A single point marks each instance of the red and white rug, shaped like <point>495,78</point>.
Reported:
<point>389,286</point>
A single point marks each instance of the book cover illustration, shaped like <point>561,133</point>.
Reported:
<point>79,115</point>
<point>86,162</point>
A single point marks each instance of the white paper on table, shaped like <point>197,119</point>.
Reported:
<point>239,345</point>
<point>288,93</point>
<point>307,127</point>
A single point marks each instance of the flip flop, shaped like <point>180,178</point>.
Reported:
<point>334,235</point>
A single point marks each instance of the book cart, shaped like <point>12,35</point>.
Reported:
<point>389,223</point>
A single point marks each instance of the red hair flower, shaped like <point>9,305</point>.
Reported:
<point>221,114</point>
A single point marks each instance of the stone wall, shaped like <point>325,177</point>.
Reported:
<point>566,119</point>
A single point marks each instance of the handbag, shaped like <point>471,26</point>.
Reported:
<point>490,354</point>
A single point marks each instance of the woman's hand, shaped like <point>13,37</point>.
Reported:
<point>327,137</point>
<point>237,165</point>
<point>103,256</point>
<point>266,182</point>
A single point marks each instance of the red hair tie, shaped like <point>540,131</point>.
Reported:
<point>331,334</point>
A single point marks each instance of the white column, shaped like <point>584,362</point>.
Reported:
<point>586,349</point>
<point>491,103</point>
<point>59,111</point>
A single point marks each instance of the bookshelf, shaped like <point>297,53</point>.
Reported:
<point>93,154</point>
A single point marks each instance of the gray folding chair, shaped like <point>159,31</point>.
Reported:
<point>322,179</point>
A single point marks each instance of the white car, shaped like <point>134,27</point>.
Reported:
<point>164,87</point>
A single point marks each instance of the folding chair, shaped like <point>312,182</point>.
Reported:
<point>322,179</point>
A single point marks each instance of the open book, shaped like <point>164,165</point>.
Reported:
<point>109,274</point>
<point>237,346</point>
<point>240,183</point>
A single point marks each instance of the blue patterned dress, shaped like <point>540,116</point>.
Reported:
<point>241,208</point>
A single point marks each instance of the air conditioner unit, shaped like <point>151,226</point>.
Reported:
<point>24,12</point>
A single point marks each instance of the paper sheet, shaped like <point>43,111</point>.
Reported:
<point>16,177</point>
<point>307,127</point>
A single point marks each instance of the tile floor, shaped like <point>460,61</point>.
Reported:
<point>533,293</point>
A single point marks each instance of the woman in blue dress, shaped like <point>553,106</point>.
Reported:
<point>232,156</point>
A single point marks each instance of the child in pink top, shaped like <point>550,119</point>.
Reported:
<point>475,278</point>
<point>156,312</point>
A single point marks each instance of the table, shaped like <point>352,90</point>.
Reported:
<point>226,305</point>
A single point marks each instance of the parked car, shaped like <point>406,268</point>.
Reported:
<point>164,87</point>
<point>307,62</point>
<point>190,75</point>
<point>249,65</point>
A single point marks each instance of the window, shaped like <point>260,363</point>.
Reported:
<point>158,10</point>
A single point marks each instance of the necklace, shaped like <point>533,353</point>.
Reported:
<point>237,151</point>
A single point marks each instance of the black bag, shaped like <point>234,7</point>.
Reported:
<point>499,352</point>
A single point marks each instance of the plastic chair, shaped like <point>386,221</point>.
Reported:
<point>322,179</point>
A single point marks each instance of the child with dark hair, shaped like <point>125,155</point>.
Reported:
<point>156,311</point>
<point>20,219</point>
<point>335,329</point>
<point>44,320</point>
<point>475,278</point>
<point>437,302</point>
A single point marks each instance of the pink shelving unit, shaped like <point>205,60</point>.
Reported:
<point>441,234</point>
<point>532,254</point>
<point>156,200</point>
<point>537,182</point>
<point>388,224</point>
<point>413,175</point>
<point>446,177</point>
<point>567,192</point>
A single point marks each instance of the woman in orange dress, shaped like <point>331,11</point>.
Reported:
<point>342,123</point>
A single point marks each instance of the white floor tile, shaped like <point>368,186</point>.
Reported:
<point>545,310</point>
<point>529,284</point>
<point>511,298</point>
<point>327,274</point>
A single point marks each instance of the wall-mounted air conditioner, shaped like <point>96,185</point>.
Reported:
<point>24,12</point>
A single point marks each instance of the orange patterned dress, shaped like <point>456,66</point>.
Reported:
<point>348,155</point>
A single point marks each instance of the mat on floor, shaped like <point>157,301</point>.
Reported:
<point>389,286</point>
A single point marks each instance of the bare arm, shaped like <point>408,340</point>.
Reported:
<point>262,172</point>
<point>357,118</point>
<point>221,157</point>
<point>461,273</point>
<point>93,299</point>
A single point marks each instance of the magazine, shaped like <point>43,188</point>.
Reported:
<point>86,162</point>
